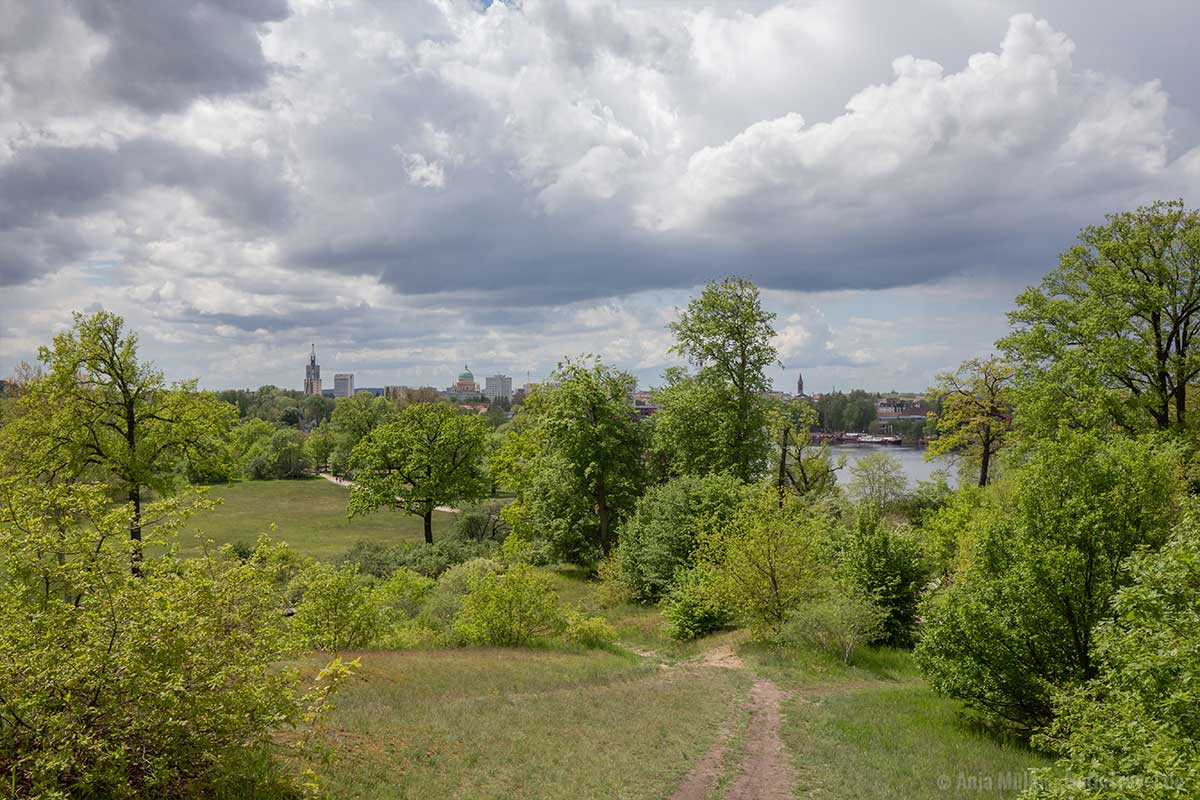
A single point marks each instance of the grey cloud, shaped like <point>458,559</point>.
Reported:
<point>162,55</point>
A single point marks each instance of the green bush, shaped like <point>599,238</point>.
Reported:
<point>1019,622</point>
<point>481,523</point>
<point>1134,729</point>
<point>403,593</point>
<point>430,560</point>
<point>661,536</point>
<point>337,609</point>
<point>695,607</point>
<point>589,631</point>
<point>509,609</point>
<point>886,564</point>
<point>839,624</point>
<point>447,596</point>
<point>122,686</point>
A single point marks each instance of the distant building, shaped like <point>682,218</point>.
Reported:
<point>466,383</point>
<point>395,392</point>
<point>343,384</point>
<point>312,374</point>
<point>498,388</point>
<point>800,384</point>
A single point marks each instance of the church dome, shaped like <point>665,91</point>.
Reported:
<point>466,375</point>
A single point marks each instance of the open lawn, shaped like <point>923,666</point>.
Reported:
<point>310,515</point>
<point>712,720</point>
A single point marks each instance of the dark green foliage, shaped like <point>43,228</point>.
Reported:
<point>481,523</point>
<point>696,606</point>
<point>431,560</point>
<point>840,412</point>
<point>1136,725</point>
<point>660,537</point>
<point>1018,622</point>
<point>886,565</point>
<point>280,455</point>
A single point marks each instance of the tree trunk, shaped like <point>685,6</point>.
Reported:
<point>602,513</point>
<point>135,531</point>
<point>783,465</point>
<point>429,526</point>
<point>985,457</point>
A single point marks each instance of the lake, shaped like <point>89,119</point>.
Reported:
<point>911,458</point>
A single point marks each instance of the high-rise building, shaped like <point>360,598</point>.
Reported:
<point>498,388</point>
<point>343,384</point>
<point>312,374</point>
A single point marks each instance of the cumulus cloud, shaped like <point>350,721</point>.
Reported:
<point>502,176</point>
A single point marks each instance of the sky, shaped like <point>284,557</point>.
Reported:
<point>419,185</point>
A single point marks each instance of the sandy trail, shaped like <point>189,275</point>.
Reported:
<point>344,482</point>
<point>765,771</point>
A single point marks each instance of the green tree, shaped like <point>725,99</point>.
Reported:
<point>878,481</point>
<point>1019,622</point>
<point>576,459</point>
<point>1134,730</point>
<point>429,455</point>
<point>320,445</point>
<point>801,466</point>
<point>99,412</point>
<point>975,412</point>
<point>1112,335</point>
<point>356,416</point>
<point>689,437</point>
<point>727,337</point>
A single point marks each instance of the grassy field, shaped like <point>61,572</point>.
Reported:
<point>310,515</point>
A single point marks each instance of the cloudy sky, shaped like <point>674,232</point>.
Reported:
<point>422,184</point>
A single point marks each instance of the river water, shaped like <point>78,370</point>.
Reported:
<point>911,458</point>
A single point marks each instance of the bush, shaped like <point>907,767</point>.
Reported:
<point>887,566</point>
<point>1019,622</point>
<point>447,596</point>
<point>509,609</point>
<point>403,593</point>
<point>430,560</point>
<point>591,632</point>
<point>118,686</point>
<point>767,558</point>
<point>337,609</point>
<point>839,624</point>
<point>612,590</point>
<point>481,523</point>
<point>695,607</point>
<point>1134,730</point>
<point>661,536</point>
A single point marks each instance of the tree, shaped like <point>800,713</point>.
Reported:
<point>879,481</point>
<point>838,412</point>
<point>356,416</point>
<point>576,458</point>
<point>689,436</point>
<point>1135,725</point>
<point>320,445</point>
<point>1111,335</point>
<point>101,413</point>
<point>727,336</point>
<point>429,455</point>
<point>800,466</point>
<point>975,414</point>
<point>1019,622</point>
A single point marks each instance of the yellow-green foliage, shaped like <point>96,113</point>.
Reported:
<point>337,610</point>
<point>403,593</point>
<point>589,631</point>
<point>121,686</point>
<point>509,609</point>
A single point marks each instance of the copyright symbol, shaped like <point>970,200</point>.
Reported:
<point>943,782</point>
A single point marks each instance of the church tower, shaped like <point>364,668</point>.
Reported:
<point>312,374</point>
<point>800,384</point>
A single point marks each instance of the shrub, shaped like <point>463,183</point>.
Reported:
<point>481,522</point>
<point>589,631</point>
<point>447,596</point>
<point>661,536</point>
<point>509,609</point>
<point>337,610</point>
<point>886,565</point>
<point>767,558</point>
<point>838,624</point>
<point>403,593</point>
<point>1019,623</point>
<point>1134,730</point>
<point>695,607</point>
<point>130,687</point>
<point>612,590</point>
<point>430,560</point>
<point>373,558</point>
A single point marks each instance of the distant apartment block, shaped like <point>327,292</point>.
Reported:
<point>498,388</point>
<point>343,384</point>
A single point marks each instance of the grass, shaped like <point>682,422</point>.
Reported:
<point>310,515</point>
<point>875,730</point>
<point>522,723</point>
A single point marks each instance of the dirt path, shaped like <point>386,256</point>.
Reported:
<point>346,483</point>
<point>764,771</point>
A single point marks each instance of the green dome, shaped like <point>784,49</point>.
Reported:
<point>466,375</point>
